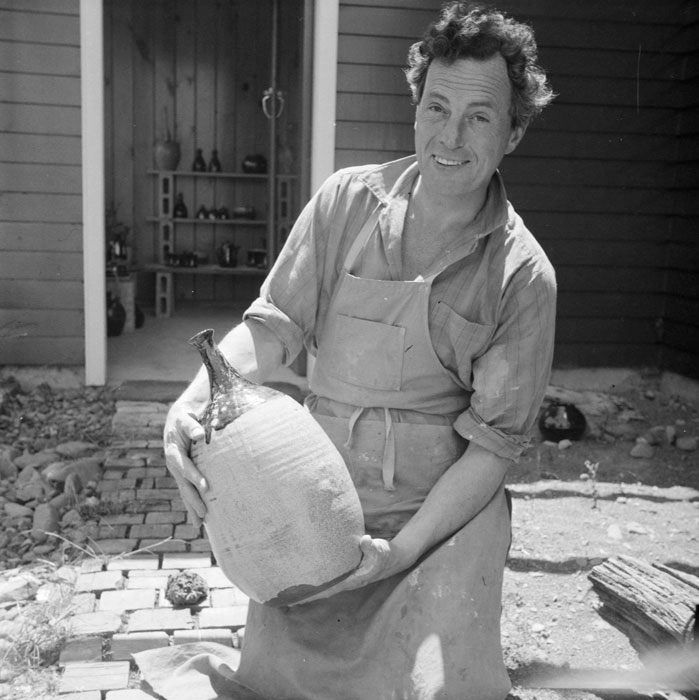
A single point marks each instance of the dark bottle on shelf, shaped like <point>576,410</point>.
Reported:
<point>199,165</point>
<point>214,163</point>
<point>180,209</point>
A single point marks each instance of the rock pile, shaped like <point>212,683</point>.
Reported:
<point>50,464</point>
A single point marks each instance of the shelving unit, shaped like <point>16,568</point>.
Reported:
<point>275,200</point>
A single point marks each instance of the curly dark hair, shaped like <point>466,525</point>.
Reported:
<point>474,30</point>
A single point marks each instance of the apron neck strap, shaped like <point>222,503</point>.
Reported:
<point>361,240</point>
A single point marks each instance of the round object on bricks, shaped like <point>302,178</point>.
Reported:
<point>283,517</point>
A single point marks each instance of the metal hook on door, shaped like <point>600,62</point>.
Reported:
<point>276,97</point>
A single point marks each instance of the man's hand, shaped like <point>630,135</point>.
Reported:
<point>380,559</point>
<point>181,429</point>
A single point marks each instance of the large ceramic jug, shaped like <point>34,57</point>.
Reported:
<point>283,516</point>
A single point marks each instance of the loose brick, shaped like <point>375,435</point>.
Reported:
<point>121,496</point>
<point>175,517</point>
<point>151,531</point>
<point>202,545</point>
<point>150,506</point>
<point>123,645</point>
<point>160,619</point>
<point>146,483</point>
<point>128,694</point>
<point>134,599</point>
<point>165,482</point>
<point>187,532</point>
<point>156,580</point>
<point>186,561</point>
<point>90,565</point>
<point>224,597</point>
<point>232,616</point>
<point>111,474</point>
<point>123,519</point>
<point>156,494</point>
<point>214,577</point>
<point>122,463</point>
<point>99,581</point>
<point>219,636</point>
<point>116,545</point>
<point>82,649</point>
<point>82,603</point>
<point>167,546</point>
<point>134,562</point>
<point>108,532</point>
<point>95,623</point>
<point>104,675</point>
<point>145,573</point>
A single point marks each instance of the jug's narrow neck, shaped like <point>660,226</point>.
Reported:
<point>222,375</point>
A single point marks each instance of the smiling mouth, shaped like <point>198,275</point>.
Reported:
<point>449,162</point>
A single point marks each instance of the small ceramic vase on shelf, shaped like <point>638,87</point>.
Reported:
<point>180,208</point>
<point>199,164</point>
<point>214,163</point>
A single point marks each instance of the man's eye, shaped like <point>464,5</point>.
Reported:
<point>435,108</point>
<point>481,118</point>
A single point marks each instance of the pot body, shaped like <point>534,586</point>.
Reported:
<point>167,155</point>
<point>283,517</point>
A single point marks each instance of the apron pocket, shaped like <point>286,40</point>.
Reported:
<point>364,353</point>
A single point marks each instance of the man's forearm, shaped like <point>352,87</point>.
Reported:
<point>459,495</point>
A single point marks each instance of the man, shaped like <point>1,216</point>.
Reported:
<point>429,308</point>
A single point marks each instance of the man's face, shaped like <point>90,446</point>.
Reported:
<point>463,126</point>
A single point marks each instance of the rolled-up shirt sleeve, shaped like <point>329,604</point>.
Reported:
<point>293,290</point>
<point>510,377</point>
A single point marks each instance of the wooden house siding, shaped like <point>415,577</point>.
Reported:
<point>606,178</point>
<point>41,266</point>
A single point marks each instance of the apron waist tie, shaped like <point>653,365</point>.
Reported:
<point>388,465</point>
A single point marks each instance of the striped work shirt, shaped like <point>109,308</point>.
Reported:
<point>491,311</point>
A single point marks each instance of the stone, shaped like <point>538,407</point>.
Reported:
<point>642,450</point>
<point>686,443</point>
<point>132,599</point>
<point>15,510</point>
<point>614,532</point>
<point>75,449</point>
<point>45,521</point>
<point>8,469</point>
<point>35,461</point>
<point>87,469</point>
<point>21,587</point>
<point>229,616</point>
<point>186,588</point>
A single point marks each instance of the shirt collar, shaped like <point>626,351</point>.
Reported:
<point>392,183</point>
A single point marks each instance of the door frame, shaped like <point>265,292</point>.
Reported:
<point>322,158</point>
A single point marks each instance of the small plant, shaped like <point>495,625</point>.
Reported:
<point>592,468</point>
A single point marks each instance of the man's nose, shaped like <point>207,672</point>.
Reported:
<point>454,132</point>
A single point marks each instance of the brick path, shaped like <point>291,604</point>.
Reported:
<point>119,606</point>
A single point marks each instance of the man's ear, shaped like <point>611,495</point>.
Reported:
<point>515,137</point>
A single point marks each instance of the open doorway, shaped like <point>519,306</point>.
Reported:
<point>226,78</point>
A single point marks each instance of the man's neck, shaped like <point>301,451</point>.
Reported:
<point>443,212</point>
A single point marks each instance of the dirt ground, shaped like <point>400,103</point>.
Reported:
<point>568,517</point>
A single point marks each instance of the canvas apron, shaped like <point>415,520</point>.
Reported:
<point>432,632</point>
